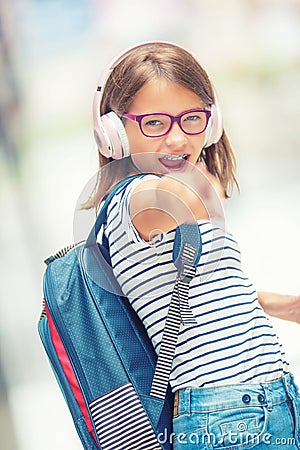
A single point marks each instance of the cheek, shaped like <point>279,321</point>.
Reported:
<point>135,137</point>
<point>201,140</point>
<point>197,146</point>
<point>141,144</point>
<point>137,144</point>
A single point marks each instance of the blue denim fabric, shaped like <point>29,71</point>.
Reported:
<point>243,416</point>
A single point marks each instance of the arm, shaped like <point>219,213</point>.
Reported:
<point>282,306</point>
<point>175,198</point>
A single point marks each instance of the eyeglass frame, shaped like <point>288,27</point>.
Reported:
<point>139,117</point>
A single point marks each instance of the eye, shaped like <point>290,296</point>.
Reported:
<point>193,117</point>
<point>152,123</point>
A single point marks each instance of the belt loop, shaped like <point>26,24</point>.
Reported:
<point>176,404</point>
<point>288,381</point>
<point>268,398</point>
<point>185,401</point>
<point>189,401</point>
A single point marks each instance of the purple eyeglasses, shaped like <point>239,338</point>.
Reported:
<point>193,121</point>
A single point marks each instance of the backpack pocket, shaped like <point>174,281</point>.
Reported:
<point>121,421</point>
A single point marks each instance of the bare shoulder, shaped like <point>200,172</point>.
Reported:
<point>146,212</point>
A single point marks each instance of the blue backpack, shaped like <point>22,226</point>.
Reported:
<point>99,350</point>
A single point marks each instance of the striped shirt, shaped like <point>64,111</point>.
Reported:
<point>232,341</point>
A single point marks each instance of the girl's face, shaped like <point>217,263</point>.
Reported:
<point>176,150</point>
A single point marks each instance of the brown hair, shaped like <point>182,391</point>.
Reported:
<point>141,65</point>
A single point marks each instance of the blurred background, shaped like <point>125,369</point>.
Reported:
<point>51,55</point>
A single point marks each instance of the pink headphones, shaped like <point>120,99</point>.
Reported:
<point>109,131</point>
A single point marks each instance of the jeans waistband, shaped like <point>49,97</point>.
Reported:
<point>217,398</point>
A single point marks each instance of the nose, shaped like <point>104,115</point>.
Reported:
<point>176,137</point>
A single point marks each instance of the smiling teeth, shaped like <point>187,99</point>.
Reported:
<point>175,157</point>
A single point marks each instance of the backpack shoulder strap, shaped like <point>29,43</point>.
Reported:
<point>101,218</point>
<point>186,254</point>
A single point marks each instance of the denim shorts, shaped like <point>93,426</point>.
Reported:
<point>242,416</point>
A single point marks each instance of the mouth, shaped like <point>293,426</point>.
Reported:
<point>174,162</point>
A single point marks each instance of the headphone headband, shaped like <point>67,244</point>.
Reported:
<point>109,130</point>
<point>120,57</point>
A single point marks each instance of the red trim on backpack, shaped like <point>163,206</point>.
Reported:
<point>69,373</point>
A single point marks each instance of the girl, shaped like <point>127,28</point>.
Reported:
<point>157,117</point>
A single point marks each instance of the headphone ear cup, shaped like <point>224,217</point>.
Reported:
<point>118,135</point>
<point>101,137</point>
<point>111,136</point>
<point>215,125</point>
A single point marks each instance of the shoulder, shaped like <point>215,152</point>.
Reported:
<point>136,184</point>
<point>119,205</point>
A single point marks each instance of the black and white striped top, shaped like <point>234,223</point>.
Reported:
<point>233,341</point>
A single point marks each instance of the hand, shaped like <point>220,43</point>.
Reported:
<point>286,307</point>
<point>215,183</point>
<point>201,191</point>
